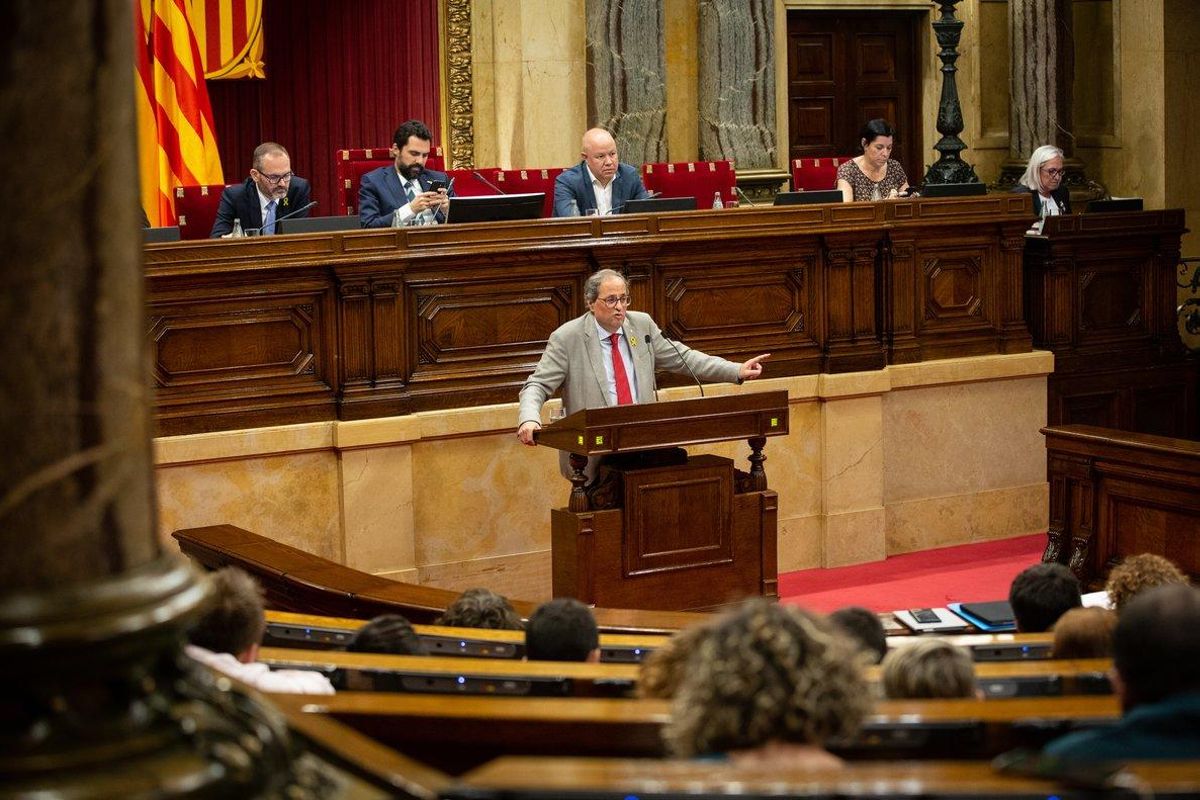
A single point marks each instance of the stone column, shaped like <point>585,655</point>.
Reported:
<point>98,701</point>
<point>1041,41</point>
<point>737,82</point>
<point>626,76</point>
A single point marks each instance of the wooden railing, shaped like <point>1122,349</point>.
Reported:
<point>1114,493</point>
<point>294,580</point>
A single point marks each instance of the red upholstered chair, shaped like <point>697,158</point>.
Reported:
<point>521,181</point>
<point>816,173</point>
<point>196,208</point>
<point>699,179</point>
<point>466,184</point>
<point>352,163</point>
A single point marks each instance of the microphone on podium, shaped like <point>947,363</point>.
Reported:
<point>479,176</point>
<point>667,339</point>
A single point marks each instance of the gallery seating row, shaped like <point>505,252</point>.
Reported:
<point>457,733</point>
<point>492,676</point>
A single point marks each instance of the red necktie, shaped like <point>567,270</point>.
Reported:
<point>624,396</point>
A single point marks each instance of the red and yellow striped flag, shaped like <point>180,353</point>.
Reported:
<point>177,143</point>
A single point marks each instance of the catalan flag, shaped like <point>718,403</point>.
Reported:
<point>177,143</point>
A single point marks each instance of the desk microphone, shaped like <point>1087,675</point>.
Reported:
<point>258,230</point>
<point>742,195</point>
<point>479,176</point>
<point>667,339</point>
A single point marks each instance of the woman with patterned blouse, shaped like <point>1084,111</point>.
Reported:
<point>874,175</point>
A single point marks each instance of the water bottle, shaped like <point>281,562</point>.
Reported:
<point>237,232</point>
<point>875,193</point>
<point>572,208</point>
<point>717,200</point>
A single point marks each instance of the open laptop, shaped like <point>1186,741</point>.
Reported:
<point>1115,204</point>
<point>653,205</point>
<point>807,198</point>
<point>317,224</point>
<point>168,233</point>
<point>954,189</point>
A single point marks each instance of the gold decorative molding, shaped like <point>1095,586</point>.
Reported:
<point>457,85</point>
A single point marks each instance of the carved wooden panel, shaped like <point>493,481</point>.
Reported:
<point>674,521</point>
<point>1124,493</point>
<point>952,289</point>
<point>373,323</point>
<point>1110,303</point>
<point>850,68</point>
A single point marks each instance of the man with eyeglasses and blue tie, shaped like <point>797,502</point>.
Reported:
<point>405,192</point>
<point>271,192</point>
<point>608,357</point>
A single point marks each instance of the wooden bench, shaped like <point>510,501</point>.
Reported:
<point>991,646</point>
<point>294,580</point>
<point>518,778</point>
<point>458,733</point>
<point>472,676</point>
<point>286,629</point>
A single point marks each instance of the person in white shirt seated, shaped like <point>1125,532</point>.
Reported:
<point>227,636</point>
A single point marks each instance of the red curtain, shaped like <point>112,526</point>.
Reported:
<point>338,75</point>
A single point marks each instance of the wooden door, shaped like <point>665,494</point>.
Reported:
<point>845,68</point>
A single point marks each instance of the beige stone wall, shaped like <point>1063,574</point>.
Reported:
<point>875,463</point>
<point>529,75</point>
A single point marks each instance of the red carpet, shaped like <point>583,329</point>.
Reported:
<point>964,573</point>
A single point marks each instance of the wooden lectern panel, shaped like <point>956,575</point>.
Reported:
<point>678,517</point>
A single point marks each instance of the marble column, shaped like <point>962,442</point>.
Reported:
<point>1042,71</point>
<point>97,700</point>
<point>737,82</point>
<point>626,76</point>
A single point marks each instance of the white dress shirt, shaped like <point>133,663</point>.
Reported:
<point>260,676</point>
<point>610,382</point>
<point>603,197</point>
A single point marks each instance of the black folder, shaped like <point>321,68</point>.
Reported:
<point>997,612</point>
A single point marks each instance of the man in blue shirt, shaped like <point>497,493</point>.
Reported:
<point>1156,660</point>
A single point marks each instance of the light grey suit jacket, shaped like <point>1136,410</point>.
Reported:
<point>574,361</point>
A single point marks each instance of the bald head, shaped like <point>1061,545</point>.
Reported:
<point>599,152</point>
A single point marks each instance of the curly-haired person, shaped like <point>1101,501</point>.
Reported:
<point>481,608</point>
<point>770,686</point>
<point>1137,574</point>
<point>662,670</point>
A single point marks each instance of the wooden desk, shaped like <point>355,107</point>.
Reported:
<point>518,777</point>
<point>1115,494</point>
<point>356,324</point>
<point>287,629</point>
<point>457,733</point>
<point>1101,295</point>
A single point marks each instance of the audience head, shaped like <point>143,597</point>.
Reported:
<point>1041,594</point>
<point>768,673</point>
<point>1084,633</point>
<point>663,669</point>
<point>271,170</point>
<point>411,144</point>
<point>1044,171</point>
<point>1138,573</point>
<point>562,630</point>
<point>928,668</point>
<point>388,633</point>
<point>481,608</point>
<point>1156,651</point>
<point>233,621</point>
<point>864,627</point>
<point>599,152</point>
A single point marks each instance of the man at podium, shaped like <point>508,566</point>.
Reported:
<point>608,357</point>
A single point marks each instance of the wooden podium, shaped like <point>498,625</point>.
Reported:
<point>659,529</point>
